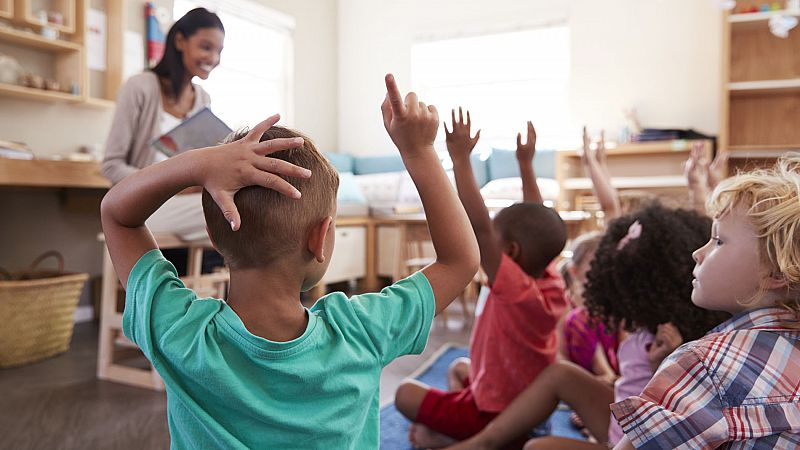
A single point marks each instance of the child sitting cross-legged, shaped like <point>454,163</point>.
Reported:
<point>259,370</point>
<point>514,337</point>
<point>737,387</point>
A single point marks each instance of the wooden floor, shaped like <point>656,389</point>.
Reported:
<point>59,404</point>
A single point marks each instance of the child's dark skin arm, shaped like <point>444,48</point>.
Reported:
<point>525,155</point>
<point>222,170</point>
<point>412,125</point>
<point>459,146</point>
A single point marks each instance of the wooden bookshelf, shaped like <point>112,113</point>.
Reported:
<point>760,88</point>
<point>27,13</point>
<point>6,9</point>
<point>654,167</point>
<point>67,55</point>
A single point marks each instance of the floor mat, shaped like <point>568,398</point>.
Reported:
<point>394,427</point>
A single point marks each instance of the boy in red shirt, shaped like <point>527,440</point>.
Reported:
<point>514,337</point>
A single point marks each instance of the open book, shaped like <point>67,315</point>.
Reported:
<point>203,129</point>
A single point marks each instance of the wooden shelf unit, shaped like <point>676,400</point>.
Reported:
<point>27,13</point>
<point>760,99</point>
<point>6,9</point>
<point>65,59</point>
<point>655,167</point>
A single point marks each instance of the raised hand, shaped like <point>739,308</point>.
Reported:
<point>667,339</point>
<point>696,167</point>
<point>227,168</point>
<point>526,151</point>
<point>717,170</point>
<point>411,124</point>
<point>459,142</point>
<point>600,154</point>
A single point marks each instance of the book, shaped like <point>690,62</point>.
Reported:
<point>15,150</point>
<point>203,129</point>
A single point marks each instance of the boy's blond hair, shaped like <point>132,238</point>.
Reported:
<point>771,199</point>
<point>274,226</point>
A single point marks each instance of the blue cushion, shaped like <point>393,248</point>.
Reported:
<point>363,165</point>
<point>342,162</point>
<point>503,164</point>
<point>480,169</point>
<point>349,191</point>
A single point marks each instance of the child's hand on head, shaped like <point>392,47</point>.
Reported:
<point>229,167</point>
<point>526,151</point>
<point>667,339</point>
<point>459,142</point>
<point>411,124</point>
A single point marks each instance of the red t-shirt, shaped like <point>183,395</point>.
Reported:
<point>515,336</point>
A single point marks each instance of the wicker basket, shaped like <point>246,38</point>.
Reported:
<point>36,312</point>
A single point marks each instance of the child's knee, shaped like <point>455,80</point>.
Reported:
<point>408,398</point>
<point>459,366</point>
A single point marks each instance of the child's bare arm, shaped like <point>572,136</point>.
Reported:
<point>717,170</point>
<point>525,155</point>
<point>667,339</point>
<point>222,170</point>
<point>460,145</point>
<point>412,125</point>
<point>696,170</point>
<point>601,180</point>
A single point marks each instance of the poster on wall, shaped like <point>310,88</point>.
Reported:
<point>96,39</point>
<point>155,35</point>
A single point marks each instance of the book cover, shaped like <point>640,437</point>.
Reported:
<point>203,129</point>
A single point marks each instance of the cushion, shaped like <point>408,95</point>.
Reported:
<point>503,164</point>
<point>511,189</point>
<point>364,165</point>
<point>342,162</point>
<point>349,191</point>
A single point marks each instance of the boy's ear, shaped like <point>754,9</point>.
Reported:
<point>775,281</point>
<point>317,238</point>
<point>512,249</point>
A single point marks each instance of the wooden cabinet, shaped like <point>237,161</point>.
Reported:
<point>654,167</point>
<point>760,88</point>
<point>63,59</point>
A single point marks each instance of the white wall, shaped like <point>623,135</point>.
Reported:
<point>660,56</point>
<point>315,68</point>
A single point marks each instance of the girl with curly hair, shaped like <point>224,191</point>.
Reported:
<point>639,284</point>
<point>736,387</point>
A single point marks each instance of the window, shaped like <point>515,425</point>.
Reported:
<point>254,78</point>
<point>504,80</point>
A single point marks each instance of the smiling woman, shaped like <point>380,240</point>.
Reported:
<point>152,103</point>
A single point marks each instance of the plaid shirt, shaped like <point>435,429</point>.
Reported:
<point>738,387</point>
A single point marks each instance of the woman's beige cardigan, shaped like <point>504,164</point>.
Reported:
<point>136,124</point>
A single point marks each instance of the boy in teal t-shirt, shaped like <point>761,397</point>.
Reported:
<point>259,370</point>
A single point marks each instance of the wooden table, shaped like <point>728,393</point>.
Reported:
<point>46,173</point>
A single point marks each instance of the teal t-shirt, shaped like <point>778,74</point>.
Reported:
<point>227,388</point>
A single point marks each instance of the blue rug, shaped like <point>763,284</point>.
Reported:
<point>394,427</point>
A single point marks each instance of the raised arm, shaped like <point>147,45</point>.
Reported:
<point>525,155</point>
<point>460,145</point>
<point>601,180</point>
<point>412,125</point>
<point>696,170</point>
<point>221,170</point>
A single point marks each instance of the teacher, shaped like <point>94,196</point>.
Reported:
<point>154,102</point>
